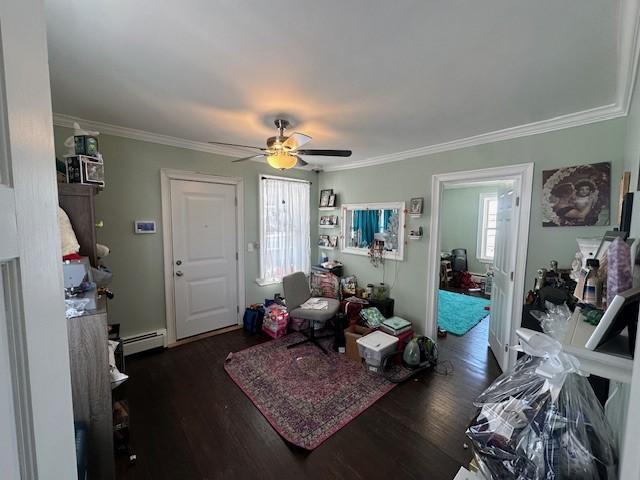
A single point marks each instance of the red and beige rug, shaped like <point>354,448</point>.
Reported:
<point>305,395</point>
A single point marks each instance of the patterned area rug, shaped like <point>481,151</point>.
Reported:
<point>458,313</point>
<point>305,395</point>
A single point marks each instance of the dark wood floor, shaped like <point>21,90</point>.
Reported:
<point>190,421</point>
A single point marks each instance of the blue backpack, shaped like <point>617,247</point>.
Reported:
<point>252,320</point>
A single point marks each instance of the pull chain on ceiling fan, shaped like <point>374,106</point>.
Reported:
<point>282,152</point>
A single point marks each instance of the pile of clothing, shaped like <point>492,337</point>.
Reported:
<point>542,420</point>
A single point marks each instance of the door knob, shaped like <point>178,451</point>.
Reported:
<point>179,262</point>
<point>179,273</point>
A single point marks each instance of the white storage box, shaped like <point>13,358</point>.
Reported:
<point>374,346</point>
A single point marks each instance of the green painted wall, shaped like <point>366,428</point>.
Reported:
<point>460,222</point>
<point>399,181</point>
<point>132,175</point>
<point>133,191</point>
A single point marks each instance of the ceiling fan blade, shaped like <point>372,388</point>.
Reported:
<point>236,145</point>
<point>301,162</point>
<point>326,153</point>
<point>248,158</point>
<point>296,140</point>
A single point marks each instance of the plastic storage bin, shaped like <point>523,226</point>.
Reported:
<point>374,347</point>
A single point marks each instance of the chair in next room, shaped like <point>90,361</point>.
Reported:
<point>297,292</point>
<point>459,259</point>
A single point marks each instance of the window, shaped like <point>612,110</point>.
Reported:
<point>284,228</point>
<point>488,212</point>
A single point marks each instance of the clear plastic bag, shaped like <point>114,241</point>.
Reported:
<point>555,321</point>
<point>534,425</point>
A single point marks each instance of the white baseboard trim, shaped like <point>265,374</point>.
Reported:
<point>144,341</point>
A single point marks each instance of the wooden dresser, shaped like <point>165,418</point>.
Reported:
<point>88,352</point>
<point>91,387</point>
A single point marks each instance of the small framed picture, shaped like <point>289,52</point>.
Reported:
<point>324,241</point>
<point>324,197</point>
<point>333,241</point>
<point>415,206</point>
<point>144,226</point>
<point>332,200</point>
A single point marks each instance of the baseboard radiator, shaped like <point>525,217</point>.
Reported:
<point>144,341</point>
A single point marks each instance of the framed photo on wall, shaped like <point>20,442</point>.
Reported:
<point>332,200</point>
<point>324,197</point>
<point>577,196</point>
<point>415,206</point>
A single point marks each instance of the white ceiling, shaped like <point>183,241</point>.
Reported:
<point>376,77</point>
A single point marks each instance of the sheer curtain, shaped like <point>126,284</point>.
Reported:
<point>285,228</point>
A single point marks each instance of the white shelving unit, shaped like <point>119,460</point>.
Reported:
<point>601,363</point>
<point>327,209</point>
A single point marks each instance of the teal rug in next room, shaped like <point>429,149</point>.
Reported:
<point>458,313</point>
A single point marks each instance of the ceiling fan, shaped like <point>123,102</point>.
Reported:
<point>282,151</point>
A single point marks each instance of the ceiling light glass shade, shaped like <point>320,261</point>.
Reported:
<point>282,160</point>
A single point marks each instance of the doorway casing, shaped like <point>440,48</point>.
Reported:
<point>523,173</point>
<point>166,175</point>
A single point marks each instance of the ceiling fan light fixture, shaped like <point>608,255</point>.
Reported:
<point>282,160</point>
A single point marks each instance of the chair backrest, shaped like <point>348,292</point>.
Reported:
<point>296,289</point>
<point>459,259</point>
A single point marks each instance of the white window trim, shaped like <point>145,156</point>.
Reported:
<point>261,281</point>
<point>481,228</point>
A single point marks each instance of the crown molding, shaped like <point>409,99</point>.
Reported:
<point>63,120</point>
<point>628,54</point>
<point>585,117</point>
<point>628,51</point>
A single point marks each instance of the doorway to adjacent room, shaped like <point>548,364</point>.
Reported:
<point>477,255</point>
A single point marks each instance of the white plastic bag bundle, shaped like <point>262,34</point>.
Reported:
<point>555,321</point>
<point>542,421</point>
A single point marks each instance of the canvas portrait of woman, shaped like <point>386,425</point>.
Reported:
<point>576,196</point>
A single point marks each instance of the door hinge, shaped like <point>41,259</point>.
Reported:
<point>238,308</point>
<point>511,276</point>
<point>517,201</point>
<point>506,347</point>
<point>236,201</point>
<point>237,257</point>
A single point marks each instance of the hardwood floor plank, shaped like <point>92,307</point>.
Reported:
<point>190,421</point>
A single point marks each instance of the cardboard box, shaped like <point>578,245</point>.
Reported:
<point>351,334</point>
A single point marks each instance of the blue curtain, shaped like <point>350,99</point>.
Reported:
<point>386,217</point>
<point>366,221</point>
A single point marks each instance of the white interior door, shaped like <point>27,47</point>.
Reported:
<point>205,257</point>
<point>504,267</point>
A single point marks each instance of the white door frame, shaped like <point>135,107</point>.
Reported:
<point>166,175</point>
<point>32,287</point>
<point>522,172</point>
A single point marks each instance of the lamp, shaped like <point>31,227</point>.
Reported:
<point>282,160</point>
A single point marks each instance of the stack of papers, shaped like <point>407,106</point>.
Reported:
<point>315,304</point>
